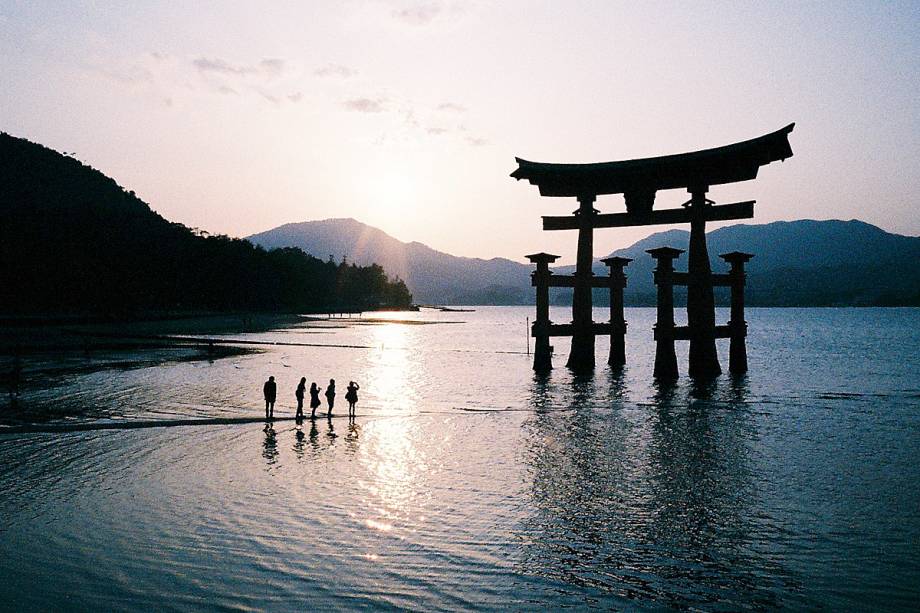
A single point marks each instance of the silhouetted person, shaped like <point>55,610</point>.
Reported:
<point>351,395</point>
<point>330,395</point>
<point>270,391</point>
<point>299,393</point>
<point>314,399</point>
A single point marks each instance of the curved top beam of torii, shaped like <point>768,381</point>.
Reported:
<point>641,178</point>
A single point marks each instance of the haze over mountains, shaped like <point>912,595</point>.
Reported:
<point>796,263</point>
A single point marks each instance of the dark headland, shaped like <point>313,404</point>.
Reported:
<point>74,243</point>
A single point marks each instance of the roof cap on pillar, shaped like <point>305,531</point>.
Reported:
<point>616,261</point>
<point>537,258</point>
<point>664,252</point>
<point>736,256</point>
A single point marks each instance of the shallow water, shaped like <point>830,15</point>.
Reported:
<point>466,482</point>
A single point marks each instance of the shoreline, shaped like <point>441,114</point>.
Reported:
<point>57,334</point>
<point>32,355</point>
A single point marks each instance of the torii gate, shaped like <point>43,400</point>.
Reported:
<point>639,180</point>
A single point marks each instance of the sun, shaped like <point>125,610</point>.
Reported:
<point>394,194</point>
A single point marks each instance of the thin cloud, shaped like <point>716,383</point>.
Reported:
<point>130,75</point>
<point>436,131</point>
<point>409,118</point>
<point>271,98</point>
<point>451,107</point>
<point>335,70</point>
<point>171,78</point>
<point>220,66</point>
<point>418,15</point>
<point>272,66</point>
<point>266,67</point>
<point>365,105</point>
<point>476,142</point>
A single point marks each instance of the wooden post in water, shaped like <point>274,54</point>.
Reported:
<point>701,309</point>
<point>581,357</point>
<point>665,357</point>
<point>737,352</point>
<point>617,319</point>
<point>542,351</point>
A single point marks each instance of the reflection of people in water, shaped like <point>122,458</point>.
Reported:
<point>330,395</point>
<point>299,438</point>
<point>314,399</point>
<point>351,395</point>
<point>270,390</point>
<point>299,393</point>
<point>270,446</point>
<point>314,435</point>
<point>351,438</point>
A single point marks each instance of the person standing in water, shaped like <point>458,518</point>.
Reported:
<point>352,396</point>
<point>270,391</point>
<point>330,395</point>
<point>314,399</point>
<point>299,393</point>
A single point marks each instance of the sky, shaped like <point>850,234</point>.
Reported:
<point>238,117</point>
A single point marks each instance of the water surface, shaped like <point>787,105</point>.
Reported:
<point>467,482</point>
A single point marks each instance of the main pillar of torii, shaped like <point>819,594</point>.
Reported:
<point>639,180</point>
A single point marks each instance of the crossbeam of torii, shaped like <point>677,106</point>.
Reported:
<point>639,180</point>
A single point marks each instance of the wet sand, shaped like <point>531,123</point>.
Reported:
<point>63,334</point>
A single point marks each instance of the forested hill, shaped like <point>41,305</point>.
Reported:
<point>73,241</point>
<point>798,263</point>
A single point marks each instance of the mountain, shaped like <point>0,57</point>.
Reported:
<point>796,263</point>
<point>72,241</point>
<point>432,276</point>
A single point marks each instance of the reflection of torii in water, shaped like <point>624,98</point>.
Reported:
<point>639,180</point>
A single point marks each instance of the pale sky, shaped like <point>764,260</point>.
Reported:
<point>238,117</point>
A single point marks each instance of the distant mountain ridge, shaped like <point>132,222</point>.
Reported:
<point>432,276</point>
<point>796,263</point>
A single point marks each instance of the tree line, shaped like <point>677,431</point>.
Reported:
<point>73,241</point>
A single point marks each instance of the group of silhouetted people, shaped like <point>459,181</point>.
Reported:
<point>270,391</point>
